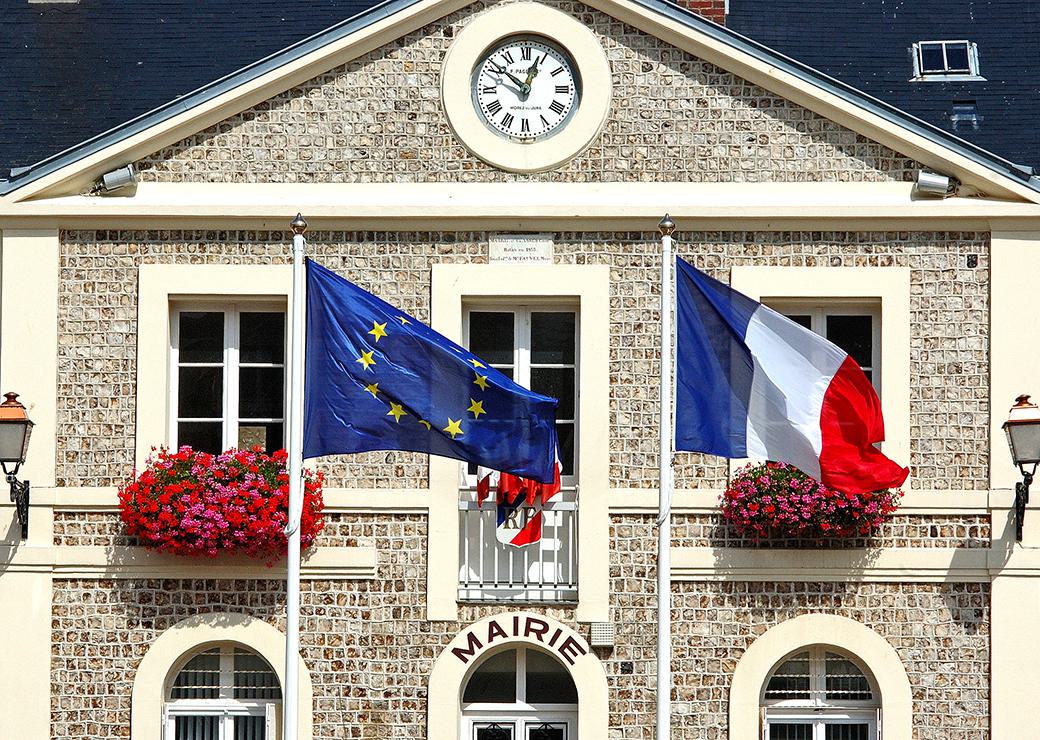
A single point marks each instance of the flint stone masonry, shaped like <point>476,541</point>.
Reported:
<point>673,118</point>
<point>949,320</point>
<point>369,649</point>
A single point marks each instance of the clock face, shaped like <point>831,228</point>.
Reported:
<point>525,88</point>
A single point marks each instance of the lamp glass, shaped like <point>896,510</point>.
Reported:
<point>1024,441</point>
<point>14,440</point>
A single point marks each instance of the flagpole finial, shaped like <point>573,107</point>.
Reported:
<point>666,225</point>
<point>299,224</point>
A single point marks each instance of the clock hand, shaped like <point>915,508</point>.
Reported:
<point>524,87</point>
<point>533,71</point>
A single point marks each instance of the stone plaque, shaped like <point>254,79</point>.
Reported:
<point>523,248</point>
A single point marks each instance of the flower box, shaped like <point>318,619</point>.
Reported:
<point>194,503</point>
<point>778,500</point>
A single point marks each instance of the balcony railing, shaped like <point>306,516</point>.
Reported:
<point>545,571</point>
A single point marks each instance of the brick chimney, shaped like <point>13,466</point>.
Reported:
<point>713,10</point>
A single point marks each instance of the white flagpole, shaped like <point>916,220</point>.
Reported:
<point>664,506</point>
<point>290,694</point>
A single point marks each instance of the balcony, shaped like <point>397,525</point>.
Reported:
<point>545,572</point>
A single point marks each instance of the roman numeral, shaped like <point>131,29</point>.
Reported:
<point>489,90</point>
<point>563,89</point>
<point>525,53</point>
<point>556,107</point>
<point>525,127</point>
<point>556,72</point>
<point>508,57</point>
<point>494,107</point>
<point>544,122</point>
<point>507,120</point>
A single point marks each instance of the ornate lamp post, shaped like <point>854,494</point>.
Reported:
<point>1023,434</point>
<point>15,429</point>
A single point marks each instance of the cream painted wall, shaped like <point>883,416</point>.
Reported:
<point>25,665</point>
<point>1015,671</point>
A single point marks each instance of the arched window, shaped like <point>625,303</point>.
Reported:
<point>222,693</point>
<point>819,693</point>
<point>520,694</point>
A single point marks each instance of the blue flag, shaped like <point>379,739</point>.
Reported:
<point>378,379</point>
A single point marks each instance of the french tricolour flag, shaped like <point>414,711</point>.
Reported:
<point>519,503</point>
<point>752,383</point>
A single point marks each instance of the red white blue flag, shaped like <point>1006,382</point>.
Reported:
<point>752,383</point>
<point>519,502</point>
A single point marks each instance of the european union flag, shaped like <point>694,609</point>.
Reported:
<point>378,379</point>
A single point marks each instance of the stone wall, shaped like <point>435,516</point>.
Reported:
<point>369,648</point>
<point>949,380</point>
<point>379,119</point>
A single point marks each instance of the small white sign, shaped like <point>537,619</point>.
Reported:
<point>523,248</point>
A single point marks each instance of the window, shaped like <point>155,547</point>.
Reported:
<point>521,694</point>
<point>228,377</point>
<point>222,693</point>
<point>964,116</point>
<point>942,60</point>
<point>855,327</point>
<point>820,694</point>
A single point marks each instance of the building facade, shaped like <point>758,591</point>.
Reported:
<point>541,254</point>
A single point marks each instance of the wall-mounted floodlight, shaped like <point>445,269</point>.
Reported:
<point>935,185</point>
<point>118,179</point>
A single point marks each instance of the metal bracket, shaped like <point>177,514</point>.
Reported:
<point>20,499</point>
<point>1021,499</point>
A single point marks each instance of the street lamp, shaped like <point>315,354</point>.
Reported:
<point>1023,434</point>
<point>15,429</point>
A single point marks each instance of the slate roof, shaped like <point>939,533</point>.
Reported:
<point>77,77</point>
<point>867,43</point>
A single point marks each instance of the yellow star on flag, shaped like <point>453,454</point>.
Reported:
<point>477,407</point>
<point>396,411</point>
<point>425,423</point>
<point>403,320</point>
<point>453,427</point>
<point>477,363</point>
<point>366,359</point>
<point>373,389</point>
<point>481,381</point>
<point>378,330</point>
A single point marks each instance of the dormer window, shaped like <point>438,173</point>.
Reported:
<point>945,60</point>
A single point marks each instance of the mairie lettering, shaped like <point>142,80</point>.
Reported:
<point>531,627</point>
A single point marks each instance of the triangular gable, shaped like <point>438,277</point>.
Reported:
<point>73,171</point>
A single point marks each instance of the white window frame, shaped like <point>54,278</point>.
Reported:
<point>230,363</point>
<point>520,715</point>
<point>816,710</point>
<point>522,365</point>
<point>972,73</point>
<point>819,310</point>
<point>226,706</point>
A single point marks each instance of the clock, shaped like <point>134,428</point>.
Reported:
<point>526,87</point>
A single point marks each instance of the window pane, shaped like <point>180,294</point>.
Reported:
<point>201,336</point>
<point>205,436</point>
<point>199,678</point>
<point>957,57</point>
<point>261,337</point>
<point>791,731</point>
<point>791,680</point>
<point>260,392</point>
<point>205,727</point>
<point>552,338</point>
<point>845,681</point>
<point>250,728</point>
<point>494,732</point>
<point>494,680</point>
<point>200,392</point>
<point>491,336</point>
<point>932,58</point>
<point>854,334</point>
<point>254,678</point>
<point>558,383</point>
<point>547,731</point>
<point>565,432</point>
<point>801,319</point>
<point>268,436</point>
<point>548,682</point>
<point>847,732</point>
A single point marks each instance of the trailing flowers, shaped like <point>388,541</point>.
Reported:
<point>770,499</point>
<point>194,503</point>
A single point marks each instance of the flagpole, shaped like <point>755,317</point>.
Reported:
<point>664,506</point>
<point>290,695</point>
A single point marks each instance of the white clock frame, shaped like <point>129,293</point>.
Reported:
<point>590,64</point>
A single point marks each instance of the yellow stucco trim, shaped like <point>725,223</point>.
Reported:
<point>157,286</point>
<point>451,286</point>
<point>819,629</point>
<point>890,286</point>
<point>196,633</point>
<point>456,663</point>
